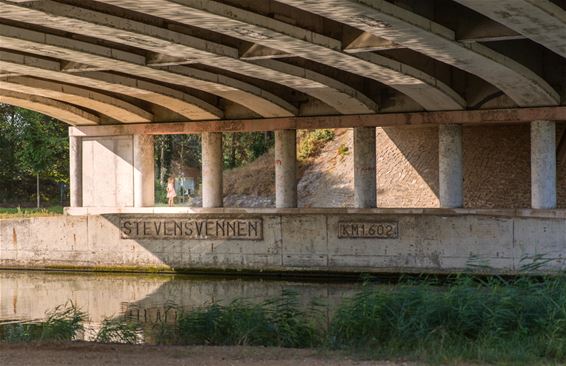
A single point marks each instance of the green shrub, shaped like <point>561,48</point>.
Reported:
<point>310,142</point>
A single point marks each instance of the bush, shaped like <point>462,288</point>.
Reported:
<point>310,142</point>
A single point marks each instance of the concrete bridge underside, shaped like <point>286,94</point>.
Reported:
<point>121,71</point>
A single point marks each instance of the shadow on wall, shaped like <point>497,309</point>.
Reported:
<point>496,167</point>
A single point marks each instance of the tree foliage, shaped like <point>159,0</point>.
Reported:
<point>31,144</point>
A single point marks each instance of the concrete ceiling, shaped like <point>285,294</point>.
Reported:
<point>138,61</point>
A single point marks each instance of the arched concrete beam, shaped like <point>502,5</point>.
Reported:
<point>252,97</point>
<point>408,29</point>
<point>540,20</point>
<point>340,96</point>
<point>61,111</point>
<point>174,100</point>
<point>272,33</point>
<point>114,108</point>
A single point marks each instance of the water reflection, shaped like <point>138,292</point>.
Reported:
<point>147,299</point>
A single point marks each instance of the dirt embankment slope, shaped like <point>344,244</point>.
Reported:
<point>324,180</point>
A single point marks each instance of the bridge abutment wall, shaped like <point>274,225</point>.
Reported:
<point>292,240</point>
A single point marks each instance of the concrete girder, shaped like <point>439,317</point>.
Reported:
<point>429,92</point>
<point>112,107</point>
<point>61,111</point>
<point>187,49</point>
<point>252,97</point>
<point>540,20</point>
<point>174,100</point>
<point>388,21</point>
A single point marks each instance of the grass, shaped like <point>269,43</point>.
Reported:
<point>12,213</point>
<point>519,321</point>
<point>62,324</point>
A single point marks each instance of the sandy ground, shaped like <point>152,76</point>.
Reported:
<point>85,354</point>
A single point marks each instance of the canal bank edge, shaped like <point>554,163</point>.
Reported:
<point>336,242</point>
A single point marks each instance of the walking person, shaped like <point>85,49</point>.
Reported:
<point>171,194</point>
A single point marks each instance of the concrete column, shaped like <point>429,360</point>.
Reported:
<point>543,164</point>
<point>285,168</point>
<point>212,186</point>
<point>144,171</point>
<point>76,171</point>
<point>364,167</point>
<point>450,162</point>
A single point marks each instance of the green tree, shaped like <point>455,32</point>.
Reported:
<point>43,148</point>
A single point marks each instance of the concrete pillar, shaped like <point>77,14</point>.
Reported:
<point>543,164</point>
<point>212,186</point>
<point>285,168</point>
<point>76,171</point>
<point>450,163</point>
<point>364,167</point>
<point>144,171</point>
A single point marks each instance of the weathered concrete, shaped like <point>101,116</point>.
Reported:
<point>365,178</point>
<point>392,22</point>
<point>451,170</point>
<point>309,240</point>
<point>212,167</point>
<point>144,171</point>
<point>542,20</point>
<point>543,164</point>
<point>76,171</point>
<point>285,168</point>
<point>108,171</point>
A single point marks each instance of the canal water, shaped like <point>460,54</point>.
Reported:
<point>28,296</point>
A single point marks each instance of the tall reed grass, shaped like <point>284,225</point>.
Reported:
<point>494,320</point>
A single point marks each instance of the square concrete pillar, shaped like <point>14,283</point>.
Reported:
<point>364,168</point>
<point>543,164</point>
<point>451,166</point>
<point>212,170</point>
<point>286,168</point>
<point>76,171</point>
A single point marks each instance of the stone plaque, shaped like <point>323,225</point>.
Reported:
<point>369,230</point>
<point>163,228</point>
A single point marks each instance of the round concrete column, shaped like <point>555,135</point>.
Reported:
<point>543,164</point>
<point>450,163</point>
<point>144,171</point>
<point>364,167</point>
<point>76,171</point>
<point>285,168</point>
<point>212,186</point>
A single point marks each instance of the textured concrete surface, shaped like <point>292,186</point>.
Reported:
<point>450,166</point>
<point>543,164</point>
<point>285,168</point>
<point>212,166</point>
<point>107,171</point>
<point>364,167</point>
<point>293,240</point>
<point>144,171</point>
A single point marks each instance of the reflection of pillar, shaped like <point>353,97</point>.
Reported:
<point>364,167</point>
<point>285,168</point>
<point>76,171</point>
<point>212,169</point>
<point>543,164</point>
<point>144,171</point>
<point>450,162</point>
